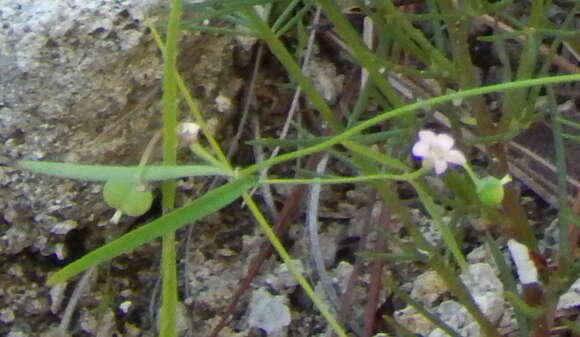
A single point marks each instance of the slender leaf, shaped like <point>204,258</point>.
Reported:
<point>198,208</point>
<point>568,122</point>
<point>104,172</point>
<point>223,3</point>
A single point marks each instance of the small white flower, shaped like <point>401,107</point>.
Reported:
<point>437,151</point>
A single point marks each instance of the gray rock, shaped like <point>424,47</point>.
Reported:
<point>68,71</point>
<point>80,82</point>
<point>414,321</point>
<point>269,313</point>
<point>486,289</point>
<point>570,299</point>
<point>428,287</point>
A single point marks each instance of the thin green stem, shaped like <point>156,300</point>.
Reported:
<point>404,110</point>
<point>192,105</point>
<point>470,173</point>
<point>445,231</point>
<point>346,180</point>
<point>147,154</point>
<point>167,321</point>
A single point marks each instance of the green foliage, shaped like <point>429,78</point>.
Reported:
<point>443,58</point>
<point>126,173</point>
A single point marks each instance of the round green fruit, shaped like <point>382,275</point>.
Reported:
<point>128,197</point>
<point>490,191</point>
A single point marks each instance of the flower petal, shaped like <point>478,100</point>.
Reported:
<point>445,141</point>
<point>440,166</point>
<point>455,157</point>
<point>427,136</point>
<point>421,149</point>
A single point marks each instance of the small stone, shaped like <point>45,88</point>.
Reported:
<point>223,103</point>
<point>17,334</point>
<point>325,78</point>
<point>60,251</point>
<point>6,316</point>
<point>16,271</point>
<point>414,321</point>
<point>56,296</point>
<point>452,313</point>
<point>282,280</point>
<point>428,287</point>
<point>64,227</point>
<point>570,299</point>
<point>124,307</point>
<point>486,289</point>
<point>342,274</point>
<point>479,254</point>
<point>268,312</point>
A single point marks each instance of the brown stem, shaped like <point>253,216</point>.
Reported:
<point>377,270</point>
<point>517,226</point>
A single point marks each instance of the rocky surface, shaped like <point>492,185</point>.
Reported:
<point>70,70</point>
<point>80,82</point>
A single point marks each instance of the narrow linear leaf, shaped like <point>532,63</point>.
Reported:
<point>204,155</point>
<point>363,139</point>
<point>372,154</point>
<point>105,172</point>
<point>223,3</point>
<point>198,208</point>
<point>573,326</point>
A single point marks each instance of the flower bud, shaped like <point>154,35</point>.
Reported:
<point>127,197</point>
<point>490,190</point>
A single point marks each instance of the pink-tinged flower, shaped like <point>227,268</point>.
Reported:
<point>437,151</point>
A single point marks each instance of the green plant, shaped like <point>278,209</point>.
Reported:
<point>349,141</point>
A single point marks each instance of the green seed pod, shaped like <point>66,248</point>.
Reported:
<point>128,197</point>
<point>490,191</point>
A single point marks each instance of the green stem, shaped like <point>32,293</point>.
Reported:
<point>470,173</point>
<point>192,105</point>
<point>446,233</point>
<point>404,110</point>
<point>167,321</point>
<point>344,180</point>
<point>147,154</point>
